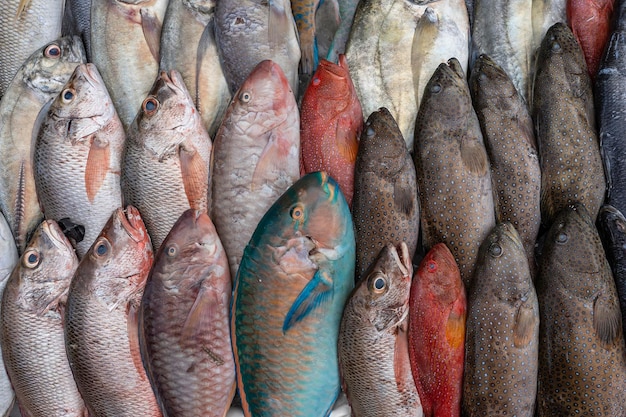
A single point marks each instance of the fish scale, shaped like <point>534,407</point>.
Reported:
<point>8,260</point>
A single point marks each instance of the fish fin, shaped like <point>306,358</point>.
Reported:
<point>607,319</point>
<point>315,293</point>
<point>97,167</point>
<point>401,361</point>
<point>195,175</point>
<point>403,198</point>
<point>269,160</point>
<point>526,321</point>
<point>21,8</point>
<point>279,23</point>
<point>474,156</point>
<point>455,325</point>
<point>202,311</point>
<point>525,126</point>
<point>151,26</point>
<point>347,139</point>
<point>132,327</point>
<point>206,39</point>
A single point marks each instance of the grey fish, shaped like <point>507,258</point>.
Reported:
<point>385,207</point>
<point>77,21</point>
<point>502,337</point>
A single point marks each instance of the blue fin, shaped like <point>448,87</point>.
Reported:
<point>316,59</point>
<point>316,292</point>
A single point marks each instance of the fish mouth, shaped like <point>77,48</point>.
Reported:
<point>51,229</point>
<point>90,73</point>
<point>336,71</point>
<point>131,221</point>
<point>511,233</point>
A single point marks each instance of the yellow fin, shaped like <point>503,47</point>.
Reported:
<point>455,328</point>
<point>347,140</point>
<point>21,8</point>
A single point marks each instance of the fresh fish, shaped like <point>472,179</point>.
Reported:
<point>77,21</point>
<point>545,14</point>
<point>510,141</point>
<point>255,156</point>
<point>33,343</point>
<point>184,328</point>
<point>78,155</point>
<point>101,323</point>
<point>563,112</point>
<point>188,45</point>
<point>347,8</point>
<point>385,207</point>
<point>251,31</point>
<point>331,121</point>
<point>293,282</point>
<point>327,22</point>
<point>22,108</point>
<point>167,158</point>
<point>502,339</point>
<point>590,21</point>
<point>27,25</point>
<point>373,348</point>
<point>453,176</point>
<point>582,363</point>
<point>125,42</point>
<point>437,313</point>
<point>501,30</point>
<point>304,15</point>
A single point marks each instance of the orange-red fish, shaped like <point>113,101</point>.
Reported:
<point>437,313</point>
<point>331,121</point>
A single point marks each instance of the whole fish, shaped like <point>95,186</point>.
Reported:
<point>188,45</point>
<point>167,158</point>
<point>255,156</point>
<point>22,108</point>
<point>125,42</point>
<point>27,25</point>
<point>582,363</point>
<point>293,281</point>
<point>385,207</point>
<point>373,348</point>
<point>437,313</point>
<point>77,21</point>
<point>331,121</point>
<point>501,30</point>
<point>563,112</point>
<point>347,8</point>
<point>251,31</point>
<point>304,15</point>
<point>590,21</point>
<point>453,176</point>
<point>101,322</point>
<point>184,327</point>
<point>33,343</point>
<point>502,339</point>
<point>510,141</point>
<point>78,155</point>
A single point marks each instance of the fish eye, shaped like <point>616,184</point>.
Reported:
<point>52,51</point>
<point>316,81</point>
<point>297,213</point>
<point>562,237</point>
<point>31,259</point>
<point>431,266</point>
<point>379,284</point>
<point>556,47</point>
<point>102,248</point>
<point>435,88</point>
<point>245,97</point>
<point>495,250</point>
<point>150,105</point>
<point>68,95</point>
<point>370,132</point>
<point>171,250</point>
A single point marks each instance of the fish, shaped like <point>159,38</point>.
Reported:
<point>27,26</point>
<point>544,15</point>
<point>347,9</point>
<point>512,149</point>
<point>125,46</point>
<point>590,21</point>
<point>563,113</point>
<point>437,314</point>
<point>188,45</point>
<point>452,167</point>
<point>502,338</point>
<point>101,320</point>
<point>183,321</point>
<point>331,121</point>
<point>77,22</point>
<point>304,15</point>
<point>290,290</point>
<point>22,109</point>
<point>582,363</point>
<point>385,208</point>
<point>502,32</point>
<point>372,347</point>
<point>78,155</point>
<point>167,157</point>
<point>251,31</point>
<point>327,20</point>
<point>33,341</point>
<point>255,156</point>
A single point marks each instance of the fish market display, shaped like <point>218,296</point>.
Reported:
<point>453,176</point>
<point>385,207</point>
<point>255,156</point>
<point>188,45</point>
<point>437,313</point>
<point>510,141</point>
<point>125,42</point>
<point>184,321</point>
<point>292,284</point>
<point>502,341</point>
<point>8,260</point>
<point>331,121</point>
<point>33,341</point>
<point>24,105</point>
<point>304,15</point>
<point>101,324</point>
<point>373,347</point>
<point>78,155</point>
<point>251,31</point>
<point>582,363</point>
<point>563,112</point>
<point>167,158</point>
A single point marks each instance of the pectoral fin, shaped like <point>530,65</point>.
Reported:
<point>195,175</point>
<point>403,198</point>
<point>202,312</point>
<point>268,161</point>
<point>401,363</point>
<point>526,321</point>
<point>455,325</point>
<point>151,26</point>
<point>474,156</point>
<point>347,141</point>
<point>315,293</point>
<point>607,319</point>
<point>97,167</point>
<point>132,323</point>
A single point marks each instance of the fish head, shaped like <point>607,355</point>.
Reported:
<point>612,228</point>
<point>331,87</point>
<point>382,144</point>
<point>491,86</point>
<point>439,273</point>
<point>447,93</point>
